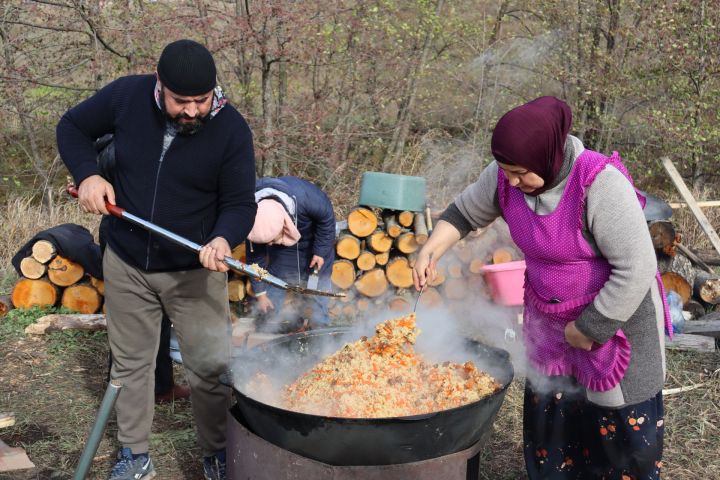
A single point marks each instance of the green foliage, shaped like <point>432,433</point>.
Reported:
<point>14,323</point>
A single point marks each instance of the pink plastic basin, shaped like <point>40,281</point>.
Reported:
<point>506,282</point>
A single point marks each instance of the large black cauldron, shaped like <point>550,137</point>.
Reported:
<point>350,441</point>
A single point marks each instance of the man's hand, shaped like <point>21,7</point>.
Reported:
<point>213,254</point>
<point>317,262</point>
<point>264,304</point>
<point>575,338</point>
<point>92,193</point>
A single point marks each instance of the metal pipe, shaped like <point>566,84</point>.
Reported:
<point>106,407</point>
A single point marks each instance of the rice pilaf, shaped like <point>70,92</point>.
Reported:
<point>383,376</point>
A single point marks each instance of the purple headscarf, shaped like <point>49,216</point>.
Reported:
<point>533,136</point>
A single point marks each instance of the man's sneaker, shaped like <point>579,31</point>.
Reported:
<point>129,468</point>
<point>214,467</point>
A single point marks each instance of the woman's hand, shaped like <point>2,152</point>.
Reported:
<point>425,269</point>
<point>576,338</point>
<point>444,236</point>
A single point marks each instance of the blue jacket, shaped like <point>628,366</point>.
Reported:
<point>202,188</point>
<point>314,217</point>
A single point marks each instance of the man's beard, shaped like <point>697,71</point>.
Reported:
<point>183,128</point>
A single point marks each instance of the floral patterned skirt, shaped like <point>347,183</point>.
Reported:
<point>566,437</point>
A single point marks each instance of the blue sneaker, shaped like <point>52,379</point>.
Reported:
<point>129,468</point>
<point>214,466</point>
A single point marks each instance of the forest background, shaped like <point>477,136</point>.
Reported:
<point>332,89</point>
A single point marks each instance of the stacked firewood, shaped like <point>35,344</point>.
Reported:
<point>375,256</point>
<point>48,279</point>
<point>683,271</point>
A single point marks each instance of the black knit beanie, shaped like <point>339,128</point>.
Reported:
<point>187,68</point>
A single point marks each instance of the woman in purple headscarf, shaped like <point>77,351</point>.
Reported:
<point>594,309</point>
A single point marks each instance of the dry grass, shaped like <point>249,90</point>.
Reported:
<point>687,225</point>
<point>21,219</point>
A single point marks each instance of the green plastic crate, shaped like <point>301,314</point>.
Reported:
<point>397,192</point>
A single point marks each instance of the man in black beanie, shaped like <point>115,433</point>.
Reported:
<point>183,160</point>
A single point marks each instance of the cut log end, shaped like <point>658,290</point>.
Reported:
<point>676,283</point>
<point>236,289</point>
<point>501,255</point>
<point>366,261</point>
<point>31,268</point>
<point>399,273</point>
<point>348,246</point>
<point>81,298</point>
<point>43,251</point>
<point>362,221</point>
<point>406,218</point>
<point>380,242</point>
<point>372,283</point>
<point>343,274</point>
<point>30,293</point>
<point>406,243</point>
<point>64,272</point>
<point>5,305</point>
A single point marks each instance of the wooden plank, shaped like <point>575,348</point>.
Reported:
<point>708,325</point>
<point>688,341</point>
<point>694,258</point>
<point>709,203</point>
<point>692,204</point>
<point>13,458</point>
<point>7,420</point>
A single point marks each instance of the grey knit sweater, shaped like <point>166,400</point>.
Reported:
<point>615,227</point>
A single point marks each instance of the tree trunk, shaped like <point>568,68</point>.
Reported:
<point>379,242</point>
<point>5,305</point>
<point>399,273</point>
<point>430,298</point>
<point>707,287</point>
<point>678,275</point>
<point>30,293</point>
<point>362,221</point>
<point>347,246</point>
<point>382,259</point>
<point>82,298</point>
<point>407,105</point>
<point>58,322</point>
<point>455,289</point>
<point>98,284</point>
<point>420,229</point>
<point>43,251</point>
<point>405,218</point>
<point>63,272</point>
<point>31,268</point>
<point>664,236</point>
<point>501,255</point>
<point>372,283</point>
<point>236,289</point>
<point>343,274</point>
<point>392,227</point>
<point>366,261</point>
<point>406,243</point>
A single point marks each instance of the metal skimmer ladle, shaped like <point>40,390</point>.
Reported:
<point>422,289</point>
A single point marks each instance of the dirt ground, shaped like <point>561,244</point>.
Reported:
<point>55,383</point>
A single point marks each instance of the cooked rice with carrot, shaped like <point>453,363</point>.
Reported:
<point>383,376</point>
